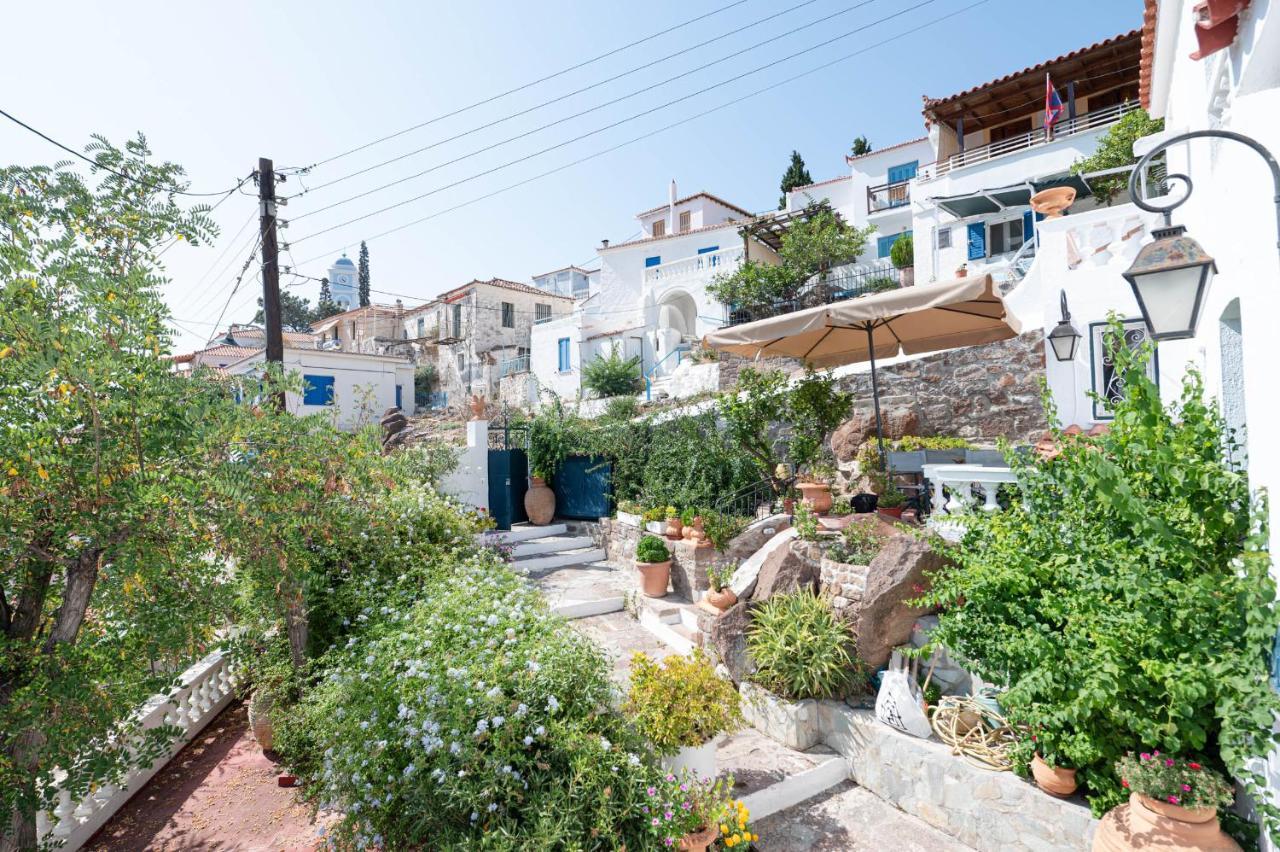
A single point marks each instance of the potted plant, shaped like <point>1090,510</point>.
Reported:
<point>1049,766</point>
<point>1173,804</point>
<point>890,501</point>
<point>902,255</point>
<point>686,523</point>
<point>962,271</point>
<point>684,708</point>
<point>655,520</point>
<point>630,513</point>
<point>815,488</point>
<point>858,544</point>
<point>675,526</point>
<point>690,813</point>
<point>698,534</point>
<point>539,500</point>
<point>275,687</point>
<point>654,561</point>
<point>720,595</point>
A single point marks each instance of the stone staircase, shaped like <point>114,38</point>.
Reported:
<point>541,549</point>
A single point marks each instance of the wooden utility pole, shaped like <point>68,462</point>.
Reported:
<point>270,266</point>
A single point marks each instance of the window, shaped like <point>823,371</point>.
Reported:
<point>1108,385</point>
<point>318,390</point>
<point>659,228</point>
<point>1004,236</point>
<point>944,238</point>
<point>562,355</point>
<point>457,320</point>
<point>686,220</point>
<point>884,244</point>
<point>508,315</point>
<point>652,261</point>
<point>541,313</point>
<point>422,326</point>
<point>399,396</point>
<point>462,363</point>
<point>906,171</point>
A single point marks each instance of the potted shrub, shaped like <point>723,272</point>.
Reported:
<point>630,513</point>
<point>890,501</point>
<point>655,520</point>
<point>858,544</point>
<point>275,688</point>
<point>962,271</point>
<point>681,706</point>
<point>686,523</point>
<point>720,595</point>
<point>801,648</point>
<point>654,561</point>
<point>690,814</point>
<point>1050,767</point>
<point>1173,804</point>
<point>902,255</point>
<point>815,488</point>
<point>675,526</point>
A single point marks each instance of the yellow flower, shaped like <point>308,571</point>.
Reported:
<point>755,838</point>
<point>111,297</point>
<point>41,472</point>
<point>6,352</point>
<point>724,829</point>
<point>13,471</point>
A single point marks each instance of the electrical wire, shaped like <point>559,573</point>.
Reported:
<point>248,261</point>
<point>595,85</point>
<point>659,130</point>
<point>530,84</point>
<point>580,137</point>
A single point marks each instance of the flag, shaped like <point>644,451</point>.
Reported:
<point>1052,105</point>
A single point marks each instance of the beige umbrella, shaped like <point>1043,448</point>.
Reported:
<point>913,320</point>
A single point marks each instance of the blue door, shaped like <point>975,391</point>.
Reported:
<point>583,486</point>
<point>399,396</point>
<point>977,240</point>
<point>508,482</point>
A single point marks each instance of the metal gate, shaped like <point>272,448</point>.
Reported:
<point>508,474</point>
<point>583,487</point>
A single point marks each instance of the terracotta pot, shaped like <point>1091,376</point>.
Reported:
<point>539,502</point>
<point>1052,202</point>
<point>722,599</point>
<point>788,506</point>
<point>675,529</point>
<point>894,512</point>
<point>816,495</point>
<point>962,273</point>
<point>687,532</point>
<point>654,577</point>
<point>699,534</point>
<point>260,720</point>
<point>1060,782</point>
<point>699,841</point>
<point>907,276</point>
<point>1155,826</point>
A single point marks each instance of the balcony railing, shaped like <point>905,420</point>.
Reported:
<point>1023,141</point>
<point>512,366</point>
<point>847,282</point>
<point>888,196</point>
<point>699,265</point>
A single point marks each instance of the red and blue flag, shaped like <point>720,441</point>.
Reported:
<point>1053,107</point>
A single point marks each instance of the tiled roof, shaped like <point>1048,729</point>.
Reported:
<point>931,103</point>
<point>717,199</point>
<point>850,159</point>
<point>614,331</point>
<point>820,183</point>
<point>1149,14</point>
<point>504,284</point>
<point>234,353</point>
<point>566,269</point>
<point>731,223</point>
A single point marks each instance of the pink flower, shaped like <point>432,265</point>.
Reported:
<point>1193,765</point>
<point>1168,762</point>
<point>1145,756</point>
<point>652,791</point>
<point>1186,788</point>
<point>1173,800</point>
<point>1155,754</point>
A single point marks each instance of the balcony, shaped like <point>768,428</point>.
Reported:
<point>1025,141</point>
<point>847,282</point>
<point>888,196</point>
<point>513,366</point>
<point>696,267</point>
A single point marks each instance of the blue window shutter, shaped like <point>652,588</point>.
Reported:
<point>977,240</point>
<point>708,249</point>
<point>883,244</point>
<point>906,171</point>
<point>1028,226</point>
<point>562,351</point>
<point>399,396</point>
<point>652,261</point>
<point>319,390</point>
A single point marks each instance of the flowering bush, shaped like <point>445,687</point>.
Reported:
<point>676,806</point>
<point>1174,780</point>
<point>680,701</point>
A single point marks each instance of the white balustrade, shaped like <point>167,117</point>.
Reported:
<point>953,485</point>
<point>698,266</point>
<point>203,691</point>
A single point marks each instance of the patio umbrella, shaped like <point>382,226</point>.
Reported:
<point>911,320</point>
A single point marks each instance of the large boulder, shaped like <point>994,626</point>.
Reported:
<point>861,427</point>
<point>755,536</point>
<point>743,582</point>
<point>787,569</point>
<point>882,620</point>
<point>728,641</point>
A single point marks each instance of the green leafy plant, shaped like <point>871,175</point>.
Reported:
<point>801,648</point>
<point>1175,780</point>
<point>680,701</point>
<point>720,574</point>
<point>612,375</point>
<point>891,496</point>
<point>858,544</point>
<point>902,252</point>
<point>552,437</point>
<point>424,382</point>
<point>651,549</point>
<point>1125,595</point>
<point>841,507</point>
<point>630,507</point>
<point>673,514</point>
<point>805,522</point>
<point>687,516</point>
<point>679,805</point>
<point>1115,150</point>
<point>881,284</point>
<point>657,513</point>
<point>722,528</point>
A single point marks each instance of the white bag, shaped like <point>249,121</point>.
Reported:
<point>900,702</point>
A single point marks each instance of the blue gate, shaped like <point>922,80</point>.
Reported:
<point>583,487</point>
<point>508,482</point>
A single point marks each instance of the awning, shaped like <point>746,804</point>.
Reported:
<point>986,201</point>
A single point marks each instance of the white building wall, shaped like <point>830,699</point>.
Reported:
<point>544,356</point>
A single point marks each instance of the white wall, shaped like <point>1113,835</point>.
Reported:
<point>544,355</point>
<point>469,481</point>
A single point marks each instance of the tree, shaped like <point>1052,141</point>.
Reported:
<point>101,584</point>
<point>295,313</point>
<point>612,375</point>
<point>362,274</point>
<point>325,305</point>
<point>796,175</point>
<point>860,147</point>
<point>1115,150</point>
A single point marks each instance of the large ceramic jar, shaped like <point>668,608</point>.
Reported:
<point>539,502</point>
<point>816,495</point>
<point>1154,826</point>
<point>260,719</point>
<point>654,577</point>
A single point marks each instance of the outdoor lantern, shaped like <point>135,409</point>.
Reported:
<point>1064,338</point>
<point>1169,278</point>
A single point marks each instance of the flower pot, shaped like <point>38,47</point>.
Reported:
<point>260,720</point>
<point>891,511</point>
<point>699,841</point>
<point>629,518</point>
<point>687,532</point>
<point>654,577</point>
<point>1054,201</point>
<point>700,760</point>
<point>962,272</point>
<point>907,276</point>
<point>1060,782</point>
<point>539,502</point>
<point>816,495</point>
<point>675,529</point>
<point>788,506</point>
<point>1155,826</point>
<point>864,503</point>
<point>722,599</point>
<point>699,534</point>
<point>656,527</point>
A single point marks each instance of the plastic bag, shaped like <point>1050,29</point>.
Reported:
<point>900,702</point>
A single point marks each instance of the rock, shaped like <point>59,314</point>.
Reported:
<point>754,537</point>
<point>743,582</point>
<point>861,427</point>
<point>881,620</point>
<point>728,641</point>
<point>786,569</point>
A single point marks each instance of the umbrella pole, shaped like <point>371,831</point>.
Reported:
<point>875,395</point>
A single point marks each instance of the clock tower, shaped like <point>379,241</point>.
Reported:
<point>342,283</point>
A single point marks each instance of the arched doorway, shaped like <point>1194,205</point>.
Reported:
<point>676,325</point>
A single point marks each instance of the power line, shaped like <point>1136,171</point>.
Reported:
<point>595,132</point>
<point>606,81</point>
<point>120,174</point>
<point>249,260</point>
<point>662,129</point>
<point>530,84</point>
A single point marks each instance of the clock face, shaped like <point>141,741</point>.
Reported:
<point>344,279</point>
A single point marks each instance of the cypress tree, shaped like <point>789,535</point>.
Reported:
<point>796,175</point>
<point>362,274</point>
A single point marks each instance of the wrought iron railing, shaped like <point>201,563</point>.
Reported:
<point>835,286</point>
<point>888,196</point>
<point>512,366</point>
<point>754,501</point>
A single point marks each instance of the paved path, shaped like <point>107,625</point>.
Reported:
<point>218,794</point>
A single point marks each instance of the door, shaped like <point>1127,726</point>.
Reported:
<point>508,482</point>
<point>583,486</point>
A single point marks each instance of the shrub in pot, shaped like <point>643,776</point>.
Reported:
<point>654,562</point>
<point>691,814</point>
<point>902,255</point>
<point>686,521</point>
<point>675,526</point>
<point>858,544</point>
<point>801,648</point>
<point>720,595</point>
<point>1173,804</point>
<point>891,501</point>
<point>683,707</point>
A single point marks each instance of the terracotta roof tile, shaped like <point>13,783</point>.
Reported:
<point>851,159</point>
<point>821,183</point>
<point>731,223</point>
<point>1149,14</point>
<point>717,199</point>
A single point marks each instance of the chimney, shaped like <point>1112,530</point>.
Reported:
<point>671,207</point>
<point>604,244</point>
<point>399,308</point>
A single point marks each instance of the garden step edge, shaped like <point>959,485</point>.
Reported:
<point>524,532</point>
<point>794,789</point>
<point>552,544</point>
<point>577,556</point>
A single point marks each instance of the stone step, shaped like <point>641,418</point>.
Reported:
<point>577,556</point>
<point>582,591</point>
<point>551,544</point>
<point>525,532</point>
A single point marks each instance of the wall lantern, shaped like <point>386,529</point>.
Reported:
<point>1064,339</point>
<point>1170,276</point>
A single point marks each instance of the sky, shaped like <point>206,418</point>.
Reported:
<point>215,86</point>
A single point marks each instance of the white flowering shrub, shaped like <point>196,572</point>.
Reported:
<point>468,718</point>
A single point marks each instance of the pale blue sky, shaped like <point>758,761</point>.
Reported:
<point>216,85</point>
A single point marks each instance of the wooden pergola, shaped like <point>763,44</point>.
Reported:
<point>768,230</point>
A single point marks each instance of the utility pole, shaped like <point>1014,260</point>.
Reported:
<point>270,266</point>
